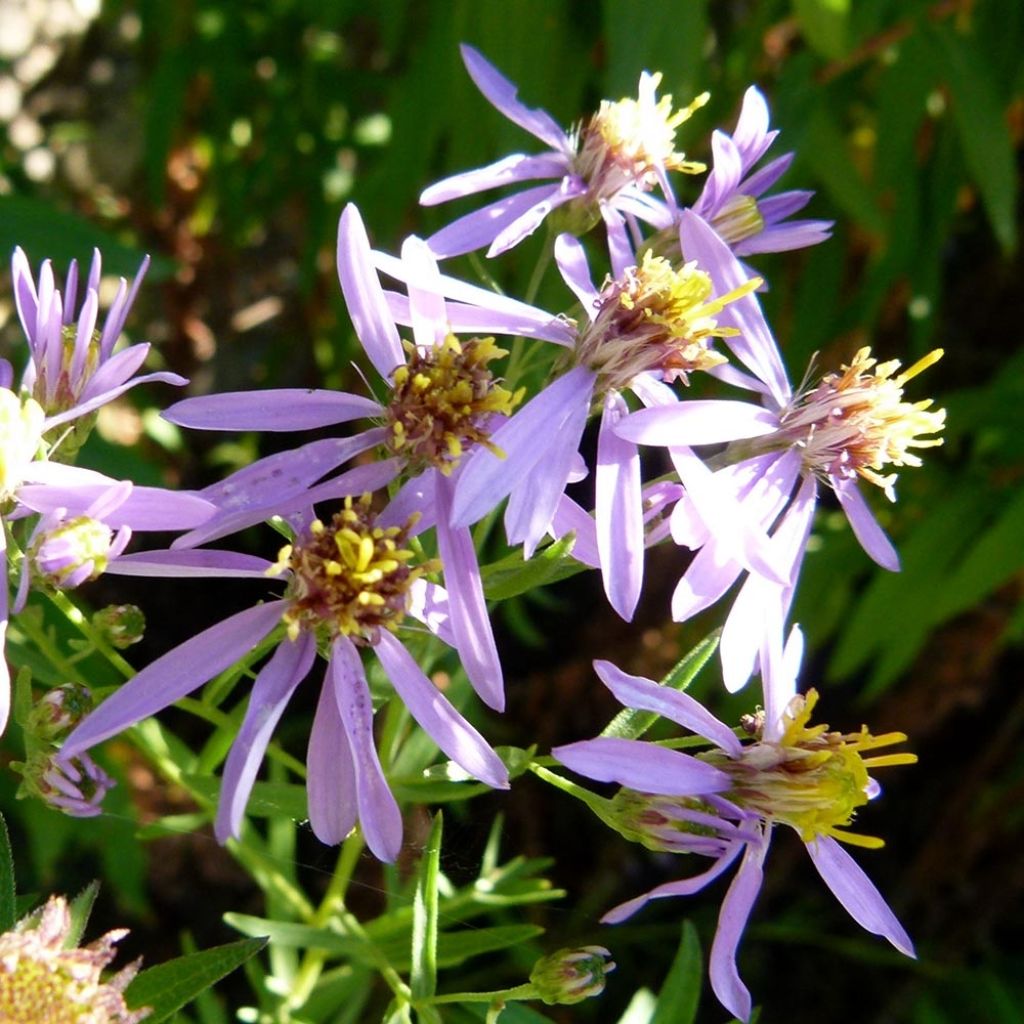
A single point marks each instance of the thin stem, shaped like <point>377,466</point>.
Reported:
<point>77,617</point>
<point>39,636</point>
<point>527,991</point>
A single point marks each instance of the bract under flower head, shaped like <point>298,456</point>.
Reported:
<point>855,422</point>
<point>21,431</point>
<point>43,982</point>
<point>350,577</point>
<point>656,318</point>
<point>442,401</point>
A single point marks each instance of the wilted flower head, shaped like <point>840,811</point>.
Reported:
<point>571,975</point>
<point>43,982</point>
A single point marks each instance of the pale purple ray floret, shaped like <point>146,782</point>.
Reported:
<point>725,803</point>
<point>72,368</point>
<point>596,168</point>
<point>345,781</point>
<point>771,485</point>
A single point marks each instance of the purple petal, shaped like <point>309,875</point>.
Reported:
<point>571,258</point>
<point>190,563</point>
<point>445,726</point>
<point>426,304</point>
<point>24,292</point>
<point>796,234</point>
<point>379,816</point>
<point>414,497</point>
<point>509,170</point>
<point>330,773</point>
<point>466,319</point>
<point>684,887</point>
<point>83,334</point>
<point>102,398</point>
<point>752,136</point>
<point>694,422</point>
<point>501,93</point>
<point>364,296</point>
<point>711,573</point>
<point>645,767</point>
<point>857,893</point>
<point>732,919</point>
<point>486,479</point>
<point>527,222</point>
<point>681,708</point>
<point>429,603</point>
<point>175,674</point>
<point>271,692</point>
<point>865,527</point>
<point>280,409</point>
<point>471,624</point>
<point>620,252</point>
<point>570,516</point>
<point>618,511</point>
<point>779,670</point>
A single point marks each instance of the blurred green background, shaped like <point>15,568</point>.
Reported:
<point>224,138</point>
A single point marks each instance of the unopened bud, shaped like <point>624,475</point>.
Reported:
<point>120,624</point>
<point>74,785</point>
<point>571,975</point>
<point>73,552</point>
<point>58,711</point>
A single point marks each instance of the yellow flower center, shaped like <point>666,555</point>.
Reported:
<point>738,220</point>
<point>349,577</point>
<point>21,430</point>
<point>442,402</point>
<point>625,141</point>
<point>59,553</point>
<point>658,318</point>
<point>856,421</point>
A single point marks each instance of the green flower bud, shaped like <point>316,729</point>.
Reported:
<point>571,975</point>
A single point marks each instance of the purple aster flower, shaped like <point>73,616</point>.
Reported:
<point>349,584</point>
<point>443,402</point>
<point>851,426</point>
<point>724,803</point>
<point>601,170</point>
<point>73,368</point>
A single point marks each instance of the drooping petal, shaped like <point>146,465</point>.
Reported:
<point>865,526</point>
<point>277,410</point>
<point>191,562</point>
<point>509,170</point>
<point>527,222</point>
<point>271,692</point>
<point>330,773</point>
<point>175,674</point>
<point>474,639</point>
<point>857,893</point>
<point>466,319</point>
<point>732,919</point>
<point>379,816</point>
<point>618,511</point>
<point>620,252</point>
<point>572,264</point>
<point>683,887</point>
<point>681,708</point>
<point>442,722</point>
<point>700,421</point>
<point>645,767</point>
<point>364,296</point>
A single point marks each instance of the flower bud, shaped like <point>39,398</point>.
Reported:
<point>571,975</point>
<point>58,711</point>
<point>73,552</point>
<point>76,786</point>
<point>120,624</point>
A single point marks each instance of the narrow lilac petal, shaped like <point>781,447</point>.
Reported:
<point>794,234</point>
<point>648,208</point>
<point>428,602</point>
<point>760,181</point>
<point>732,919</point>
<point>778,207</point>
<point>620,251</point>
<point>524,439</point>
<point>364,296</point>
<point>479,228</point>
<point>752,135</point>
<point>116,370</point>
<point>527,222</point>
<point>24,292</point>
<point>118,312</point>
<point>474,639</point>
<point>175,674</point>
<point>330,773</point>
<point>83,335</point>
<point>857,893</point>
<point>277,410</point>
<point>509,170</point>
<point>711,573</point>
<point>445,726</point>
<point>645,767</point>
<point>271,692</point>
<point>618,511</point>
<point>379,815</point>
<point>532,503</point>
<point>570,516</point>
<point>681,708</point>
<point>780,666</point>
<point>501,93</point>
<point>683,887</point>
<point>414,497</point>
<point>571,258</point>
<point>754,346</point>
<point>865,526</point>
<point>426,305</point>
<point>466,319</point>
<point>727,169</point>
<point>71,286</point>
<point>96,401</point>
<point>5,672</point>
<point>698,421</point>
<point>652,391</point>
<point>191,562</point>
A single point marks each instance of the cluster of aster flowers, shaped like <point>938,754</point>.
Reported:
<point>379,515</point>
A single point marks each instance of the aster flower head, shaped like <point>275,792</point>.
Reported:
<point>42,980</point>
<point>569,976</point>
<point>73,368</point>
<point>601,169</point>
<point>724,803</point>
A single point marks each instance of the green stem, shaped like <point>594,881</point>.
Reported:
<point>77,617</point>
<point>598,804</point>
<point>38,635</point>
<point>527,991</point>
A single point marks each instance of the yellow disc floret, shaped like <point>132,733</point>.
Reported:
<point>349,577</point>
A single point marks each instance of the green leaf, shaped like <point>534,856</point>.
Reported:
<point>512,576</point>
<point>453,948</point>
<point>680,995</point>
<point>7,911</point>
<point>631,724</point>
<point>423,981</point>
<point>268,799</point>
<point>823,24</point>
<point>166,988</point>
<point>981,123</point>
<point>80,909</point>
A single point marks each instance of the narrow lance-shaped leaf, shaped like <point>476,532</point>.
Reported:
<point>8,914</point>
<point>680,995</point>
<point>424,917</point>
